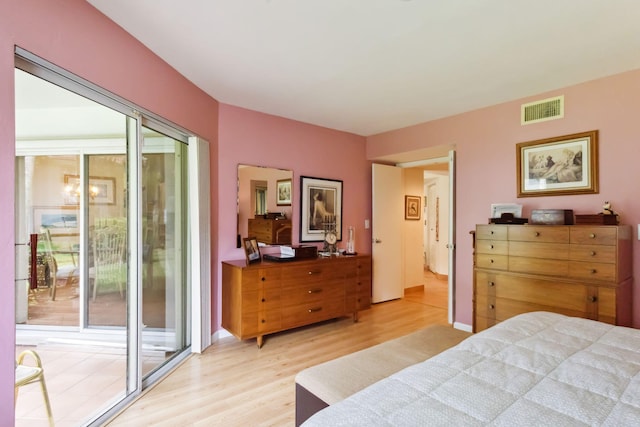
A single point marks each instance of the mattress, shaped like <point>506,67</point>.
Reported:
<point>533,369</point>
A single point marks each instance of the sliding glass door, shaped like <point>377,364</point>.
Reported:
<point>101,252</point>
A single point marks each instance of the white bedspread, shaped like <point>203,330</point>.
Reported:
<point>534,369</point>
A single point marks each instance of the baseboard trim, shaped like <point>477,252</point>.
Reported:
<point>463,327</point>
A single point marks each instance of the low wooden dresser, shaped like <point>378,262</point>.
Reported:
<point>577,270</point>
<point>268,297</point>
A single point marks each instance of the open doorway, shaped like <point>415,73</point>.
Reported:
<point>413,247</point>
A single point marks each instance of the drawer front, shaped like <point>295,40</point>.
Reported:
<point>497,247</point>
<point>312,292</point>
<point>485,283</point>
<point>304,314</point>
<point>496,262</point>
<point>592,271</point>
<point>270,321</point>
<point>270,298</point>
<point>607,305</point>
<point>593,253</point>
<point>312,272</point>
<point>589,235</point>
<point>252,279</point>
<point>491,232</point>
<point>542,233</point>
<point>539,250</point>
<point>553,295</point>
<point>545,267</point>
<point>485,306</point>
<point>506,309</point>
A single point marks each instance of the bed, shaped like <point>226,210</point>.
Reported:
<point>533,369</point>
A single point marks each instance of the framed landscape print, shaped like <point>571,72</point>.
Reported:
<point>558,166</point>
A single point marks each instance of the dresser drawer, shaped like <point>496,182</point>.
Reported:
<point>254,278</point>
<point>494,262</point>
<point>306,313</point>
<point>594,235</point>
<point>544,293</point>
<point>491,232</point>
<point>270,320</point>
<point>311,292</point>
<point>485,306</point>
<point>485,283</point>
<point>592,271</point>
<point>312,272</point>
<point>497,247</point>
<point>534,233</point>
<point>546,267</point>
<point>539,250</point>
<point>593,253</point>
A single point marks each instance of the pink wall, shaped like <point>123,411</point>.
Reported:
<point>485,142</point>
<point>258,139</point>
<point>75,36</point>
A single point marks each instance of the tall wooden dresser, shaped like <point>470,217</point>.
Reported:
<point>267,297</point>
<point>577,270</point>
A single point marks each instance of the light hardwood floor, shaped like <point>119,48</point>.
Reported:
<point>233,383</point>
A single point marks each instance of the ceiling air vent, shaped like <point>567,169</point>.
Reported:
<point>539,111</point>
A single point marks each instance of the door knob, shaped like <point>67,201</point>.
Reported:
<point>377,241</point>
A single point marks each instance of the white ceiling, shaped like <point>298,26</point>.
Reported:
<point>369,66</point>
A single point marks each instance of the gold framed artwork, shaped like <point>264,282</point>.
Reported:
<point>558,166</point>
<point>283,192</point>
<point>412,207</point>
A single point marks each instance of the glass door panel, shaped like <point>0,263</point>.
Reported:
<point>164,287</point>
<point>69,177</point>
<point>105,190</point>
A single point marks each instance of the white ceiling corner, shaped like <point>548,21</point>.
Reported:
<point>369,66</point>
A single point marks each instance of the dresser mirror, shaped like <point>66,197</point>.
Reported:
<point>264,205</point>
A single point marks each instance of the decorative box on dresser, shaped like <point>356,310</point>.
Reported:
<point>577,270</point>
<point>268,297</point>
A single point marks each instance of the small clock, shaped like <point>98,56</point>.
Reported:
<point>330,236</point>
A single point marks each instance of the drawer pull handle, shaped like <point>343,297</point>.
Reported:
<point>492,283</point>
<point>537,234</point>
<point>592,235</point>
<point>315,291</point>
<point>491,261</point>
<point>264,321</point>
<point>315,310</point>
<point>313,272</point>
<point>594,271</point>
<point>491,232</point>
<point>593,253</point>
<point>491,246</point>
<point>593,298</point>
<point>263,279</point>
<point>263,300</point>
<point>491,306</point>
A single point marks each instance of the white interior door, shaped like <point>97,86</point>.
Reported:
<point>387,217</point>
<point>431,221</point>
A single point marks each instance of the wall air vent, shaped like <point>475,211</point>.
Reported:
<point>540,111</point>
